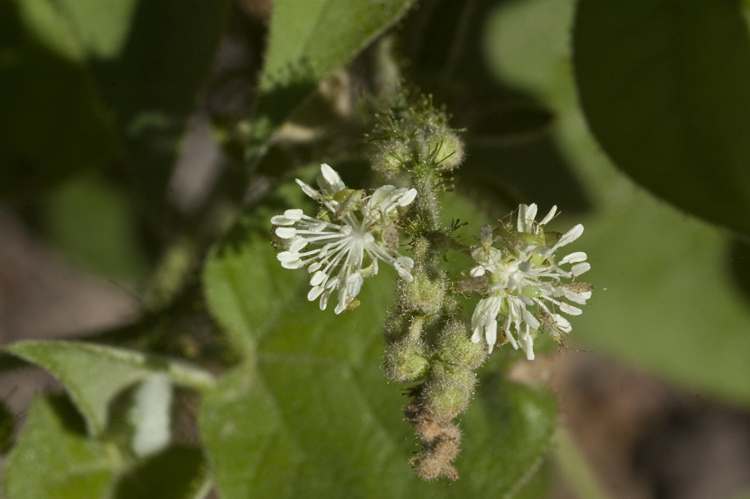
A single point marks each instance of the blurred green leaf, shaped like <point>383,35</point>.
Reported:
<point>102,26</point>
<point>308,40</point>
<point>152,88</point>
<point>507,133</point>
<point>53,460</point>
<point>664,299</point>
<point>91,221</point>
<point>236,270</point>
<point>7,427</point>
<point>54,125</point>
<point>48,25</point>
<point>670,100</point>
<point>176,473</point>
<point>510,173</point>
<point>310,414</point>
<point>94,374</point>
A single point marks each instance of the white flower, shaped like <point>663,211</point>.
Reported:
<point>525,277</point>
<point>351,238</point>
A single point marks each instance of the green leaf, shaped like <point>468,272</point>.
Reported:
<point>94,374</point>
<point>52,460</point>
<point>236,270</point>
<point>102,26</point>
<point>310,414</point>
<point>308,40</point>
<point>176,473</point>
<point>7,426</point>
<point>665,300</point>
<point>670,100</point>
<point>674,309</point>
<point>91,221</point>
<point>47,25</point>
<point>151,89</point>
<point>57,126</point>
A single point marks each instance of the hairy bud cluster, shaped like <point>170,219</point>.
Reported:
<point>428,340</point>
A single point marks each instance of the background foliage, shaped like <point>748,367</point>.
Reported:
<point>632,116</point>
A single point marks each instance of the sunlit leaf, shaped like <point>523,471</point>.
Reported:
<point>664,86</point>
<point>102,26</point>
<point>53,459</point>
<point>94,374</point>
<point>308,40</point>
<point>47,25</point>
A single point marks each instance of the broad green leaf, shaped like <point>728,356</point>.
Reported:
<point>102,26</point>
<point>308,40</point>
<point>76,29</point>
<point>92,222</point>
<point>236,270</point>
<point>176,473</point>
<point>53,460</point>
<point>310,414</point>
<point>47,25</point>
<point>664,299</point>
<point>669,302</point>
<point>94,374</point>
<point>664,86</point>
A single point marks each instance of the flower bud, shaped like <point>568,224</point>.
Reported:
<point>446,149</point>
<point>426,291</point>
<point>404,361</point>
<point>447,390</point>
<point>455,346</point>
<point>391,158</point>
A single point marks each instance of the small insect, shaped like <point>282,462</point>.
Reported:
<point>578,287</point>
<point>475,284</point>
<point>390,236</point>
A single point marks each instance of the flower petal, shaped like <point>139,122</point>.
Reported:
<point>570,309</point>
<point>286,232</point>
<point>329,181</point>
<point>570,236</point>
<point>549,216</point>
<point>578,256</point>
<point>580,268</point>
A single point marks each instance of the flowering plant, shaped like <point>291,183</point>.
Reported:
<point>430,342</point>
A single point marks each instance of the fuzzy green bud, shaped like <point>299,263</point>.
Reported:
<point>426,291</point>
<point>404,361</point>
<point>445,148</point>
<point>423,293</point>
<point>400,325</point>
<point>447,391</point>
<point>455,346</point>
<point>391,158</point>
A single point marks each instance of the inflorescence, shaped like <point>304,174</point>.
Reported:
<point>431,343</point>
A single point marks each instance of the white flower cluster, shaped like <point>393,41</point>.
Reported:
<point>349,239</point>
<point>524,283</point>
